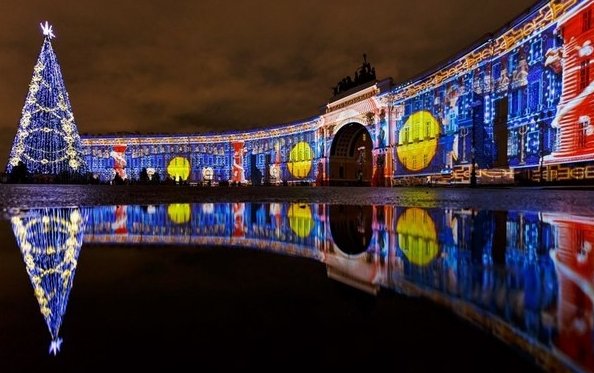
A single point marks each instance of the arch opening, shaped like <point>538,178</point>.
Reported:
<point>351,161</point>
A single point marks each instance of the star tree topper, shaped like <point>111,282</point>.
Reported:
<point>47,30</point>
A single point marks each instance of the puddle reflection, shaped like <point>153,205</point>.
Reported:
<point>50,241</point>
<point>527,277</point>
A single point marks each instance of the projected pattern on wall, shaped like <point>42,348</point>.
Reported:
<point>516,105</point>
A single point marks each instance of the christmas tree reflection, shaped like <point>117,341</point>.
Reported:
<point>50,240</point>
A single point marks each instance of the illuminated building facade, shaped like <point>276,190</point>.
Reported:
<point>285,153</point>
<point>515,106</point>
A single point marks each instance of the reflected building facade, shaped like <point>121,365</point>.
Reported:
<point>524,276</point>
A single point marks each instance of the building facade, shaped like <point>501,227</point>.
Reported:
<point>515,106</point>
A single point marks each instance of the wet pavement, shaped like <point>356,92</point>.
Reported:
<point>576,200</point>
<point>296,277</point>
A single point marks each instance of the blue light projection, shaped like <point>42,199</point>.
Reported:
<point>47,140</point>
<point>515,107</point>
<point>50,241</point>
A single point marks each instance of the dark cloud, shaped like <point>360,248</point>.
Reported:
<point>182,66</point>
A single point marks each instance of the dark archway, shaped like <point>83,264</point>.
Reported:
<point>351,227</point>
<point>351,161</point>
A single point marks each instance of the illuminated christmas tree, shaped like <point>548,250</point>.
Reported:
<point>50,240</point>
<point>47,140</point>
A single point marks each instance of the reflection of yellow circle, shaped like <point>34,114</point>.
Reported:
<point>300,219</point>
<point>417,236</point>
<point>179,213</point>
<point>300,160</point>
<point>179,168</point>
<point>417,140</point>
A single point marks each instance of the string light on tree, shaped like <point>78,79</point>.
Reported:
<point>50,240</point>
<point>47,139</point>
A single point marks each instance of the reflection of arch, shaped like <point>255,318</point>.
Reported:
<point>351,227</point>
<point>417,236</point>
<point>350,156</point>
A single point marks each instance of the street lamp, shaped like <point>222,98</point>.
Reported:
<point>541,131</point>
<point>475,105</point>
<point>473,165</point>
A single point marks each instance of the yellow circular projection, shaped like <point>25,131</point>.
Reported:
<point>417,140</point>
<point>179,213</point>
<point>300,219</point>
<point>179,168</point>
<point>417,236</point>
<point>300,160</point>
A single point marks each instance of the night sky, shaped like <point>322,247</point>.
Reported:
<point>197,66</point>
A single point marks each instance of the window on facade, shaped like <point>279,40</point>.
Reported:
<point>513,61</point>
<point>536,50</point>
<point>534,96</point>
<point>584,74</point>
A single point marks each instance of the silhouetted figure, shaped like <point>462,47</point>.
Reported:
<point>19,173</point>
<point>117,180</point>
<point>256,177</point>
<point>144,177</point>
<point>156,178</point>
